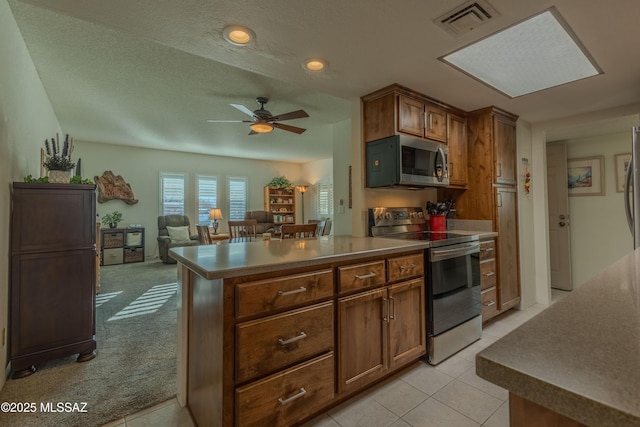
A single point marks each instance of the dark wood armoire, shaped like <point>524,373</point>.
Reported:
<point>53,274</point>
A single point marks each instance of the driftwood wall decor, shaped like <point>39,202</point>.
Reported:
<point>111,187</point>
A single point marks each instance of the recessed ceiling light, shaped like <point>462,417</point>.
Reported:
<point>238,35</point>
<point>315,64</point>
<point>538,53</point>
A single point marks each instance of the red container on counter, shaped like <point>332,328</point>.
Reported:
<point>437,222</point>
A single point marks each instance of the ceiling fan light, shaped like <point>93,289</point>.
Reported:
<point>315,64</point>
<point>238,35</point>
<point>261,127</point>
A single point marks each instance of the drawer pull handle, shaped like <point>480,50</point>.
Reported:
<point>490,273</point>
<point>365,276</point>
<point>392,310</point>
<point>295,291</point>
<point>298,395</point>
<point>290,340</point>
<point>489,304</point>
<point>487,249</point>
<point>407,267</point>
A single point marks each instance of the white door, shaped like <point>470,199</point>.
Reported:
<point>559,230</point>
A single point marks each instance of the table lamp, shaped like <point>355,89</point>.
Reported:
<point>215,214</point>
<point>302,189</point>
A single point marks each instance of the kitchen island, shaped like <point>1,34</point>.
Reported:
<point>578,362</point>
<point>275,332</point>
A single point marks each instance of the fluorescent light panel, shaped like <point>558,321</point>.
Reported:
<point>536,54</point>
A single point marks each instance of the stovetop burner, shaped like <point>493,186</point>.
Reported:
<point>410,224</point>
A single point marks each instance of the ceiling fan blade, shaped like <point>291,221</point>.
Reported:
<point>288,128</point>
<point>253,132</point>
<point>243,109</point>
<point>230,121</point>
<point>298,114</point>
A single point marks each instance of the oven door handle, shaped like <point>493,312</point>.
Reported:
<point>457,251</point>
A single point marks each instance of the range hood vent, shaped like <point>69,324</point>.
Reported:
<point>466,17</point>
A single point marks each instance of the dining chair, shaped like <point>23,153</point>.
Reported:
<point>242,231</point>
<point>298,231</point>
<point>203,234</point>
<point>321,225</point>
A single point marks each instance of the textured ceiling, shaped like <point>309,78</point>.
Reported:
<point>151,73</point>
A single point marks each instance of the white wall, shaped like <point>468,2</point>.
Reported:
<point>141,168</point>
<point>26,120</point>
<point>599,232</point>
<point>525,216</point>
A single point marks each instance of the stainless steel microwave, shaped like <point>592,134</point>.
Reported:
<point>403,161</point>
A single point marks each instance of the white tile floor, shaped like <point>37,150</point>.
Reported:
<point>450,394</point>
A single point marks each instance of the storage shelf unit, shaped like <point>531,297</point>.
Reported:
<point>121,245</point>
<point>282,203</point>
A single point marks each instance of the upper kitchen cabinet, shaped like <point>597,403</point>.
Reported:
<point>396,109</point>
<point>457,131</point>
<point>493,132</point>
<point>418,118</point>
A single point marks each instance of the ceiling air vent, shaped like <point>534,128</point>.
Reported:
<point>466,17</point>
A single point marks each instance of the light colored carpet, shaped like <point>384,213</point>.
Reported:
<point>135,367</point>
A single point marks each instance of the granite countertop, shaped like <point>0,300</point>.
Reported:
<point>236,259</point>
<point>581,356</point>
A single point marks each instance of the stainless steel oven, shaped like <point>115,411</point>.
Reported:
<point>453,301</point>
<point>453,285</point>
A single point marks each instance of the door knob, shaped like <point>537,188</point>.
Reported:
<point>562,217</point>
<point>562,223</point>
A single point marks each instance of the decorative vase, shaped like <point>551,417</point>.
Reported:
<point>112,225</point>
<point>59,177</point>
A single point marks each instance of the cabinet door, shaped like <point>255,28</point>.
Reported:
<point>436,123</point>
<point>407,334</point>
<point>49,309</point>
<point>507,248</point>
<point>411,116</point>
<point>504,139</point>
<point>457,141</point>
<point>362,338</point>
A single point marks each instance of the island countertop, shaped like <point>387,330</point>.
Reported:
<point>581,356</point>
<point>233,259</point>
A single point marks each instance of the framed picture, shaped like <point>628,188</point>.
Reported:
<point>586,176</point>
<point>622,163</point>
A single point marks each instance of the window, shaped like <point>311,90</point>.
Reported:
<point>237,197</point>
<point>172,187</point>
<point>207,193</point>
<point>325,199</point>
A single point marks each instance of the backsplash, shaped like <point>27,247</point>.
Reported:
<point>469,224</point>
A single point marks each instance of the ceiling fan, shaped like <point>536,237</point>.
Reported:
<point>262,120</point>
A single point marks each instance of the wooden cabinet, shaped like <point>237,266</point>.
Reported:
<point>282,203</point>
<point>121,245</point>
<point>492,194</point>
<point>382,329</point>
<point>278,348</point>
<point>397,109</point>
<point>421,119</point>
<point>53,274</point>
<point>507,247</point>
<point>457,140</point>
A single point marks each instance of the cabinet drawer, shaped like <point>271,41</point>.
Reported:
<point>359,276</point>
<point>282,292</point>
<point>266,345</point>
<point>487,274</point>
<point>287,397</point>
<point>487,250</point>
<point>405,266</point>
<point>112,239</point>
<point>489,303</point>
<point>112,256</point>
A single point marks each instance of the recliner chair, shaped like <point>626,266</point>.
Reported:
<point>264,218</point>
<point>165,241</point>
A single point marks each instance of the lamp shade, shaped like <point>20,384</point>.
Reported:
<point>215,214</point>
<point>302,188</point>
